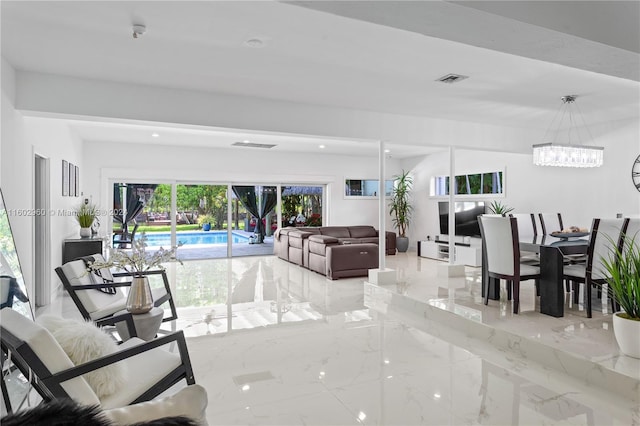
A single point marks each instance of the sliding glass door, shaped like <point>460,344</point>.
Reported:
<point>211,220</point>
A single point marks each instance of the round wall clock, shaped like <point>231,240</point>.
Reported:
<point>635,173</point>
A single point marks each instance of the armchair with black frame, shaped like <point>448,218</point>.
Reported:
<point>98,296</point>
<point>53,374</point>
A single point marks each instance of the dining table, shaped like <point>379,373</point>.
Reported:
<point>552,251</point>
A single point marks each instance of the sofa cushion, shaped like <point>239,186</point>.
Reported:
<point>362,231</point>
<point>335,231</point>
<point>325,239</point>
<point>372,240</point>
<point>349,240</point>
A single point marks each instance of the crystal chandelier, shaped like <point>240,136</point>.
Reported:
<point>567,154</point>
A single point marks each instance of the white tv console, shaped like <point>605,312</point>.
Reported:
<point>467,252</point>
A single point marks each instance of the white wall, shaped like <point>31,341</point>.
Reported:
<point>51,139</point>
<point>22,137</point>
<point>189,164</point>
<point>15,179</point>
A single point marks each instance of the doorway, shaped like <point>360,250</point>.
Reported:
<point>41,231</point>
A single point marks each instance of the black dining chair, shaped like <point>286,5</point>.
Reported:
<point>501,245</point>
<point>125,240</point>
<point>550,222</point>
<point>604,234</point>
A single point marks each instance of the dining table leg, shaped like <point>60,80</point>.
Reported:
<point>551,288</point>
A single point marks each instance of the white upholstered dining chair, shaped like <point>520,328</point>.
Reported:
<point>501,245</point>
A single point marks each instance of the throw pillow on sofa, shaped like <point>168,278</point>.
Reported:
<point>83,342</point>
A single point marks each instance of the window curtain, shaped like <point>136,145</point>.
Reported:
<point>135,203</point>
<point>248,197</point>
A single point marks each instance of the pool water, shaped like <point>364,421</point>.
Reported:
<point>155,239</point>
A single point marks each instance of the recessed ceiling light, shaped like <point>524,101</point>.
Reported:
<point>255,43</point>
<point>155,135</point>
<point>246,141</point>
<point>387,151</point>
<point>321,146</point>
<point>248,144</point>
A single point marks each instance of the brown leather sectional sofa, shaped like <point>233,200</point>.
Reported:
<point>334,251</point>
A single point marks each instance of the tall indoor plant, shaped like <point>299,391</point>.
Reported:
<point>623,271</point>
<point>400,208</point>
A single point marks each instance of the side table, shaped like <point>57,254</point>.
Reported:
<point>147,325</point>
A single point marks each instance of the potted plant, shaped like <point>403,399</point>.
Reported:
<point>496,207</point>
<point>85,214</point>
<point>205,222</point>
<point>623,278</point>
<point>137,262</point>
<point>400,208</point>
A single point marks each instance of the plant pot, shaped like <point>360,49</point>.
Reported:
<point>402,244</point>
<point>206,227</point>
<point>85,232</point>
<point>627,334</point>
<point>140,299</point>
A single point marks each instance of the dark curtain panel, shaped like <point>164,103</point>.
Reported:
<point>248,198</point>
<point>135,203</point>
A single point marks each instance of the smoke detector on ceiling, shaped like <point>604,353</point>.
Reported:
<point>255,42</point>
<point>139,30</point>
<point>452,78</point>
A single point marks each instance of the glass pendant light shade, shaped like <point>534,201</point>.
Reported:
<point>549,154</point>
<point>567,154</point>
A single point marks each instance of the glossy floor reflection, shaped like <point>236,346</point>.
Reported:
<point>276,344</point>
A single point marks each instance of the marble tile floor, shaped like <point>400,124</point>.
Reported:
<point>277,344</point>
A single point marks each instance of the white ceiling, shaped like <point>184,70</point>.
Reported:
<point>320,57</point>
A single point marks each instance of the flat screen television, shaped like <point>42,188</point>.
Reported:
<point>466,217</point>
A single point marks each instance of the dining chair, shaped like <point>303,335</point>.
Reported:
<point>527,228</point>
<point>501,245</point>
<point>604,234</point>
<point>100,296</point>
<point>125,240</point>
<point>631,230</point>
<point>550,222</point>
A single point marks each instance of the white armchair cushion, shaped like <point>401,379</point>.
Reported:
<point>190,401</point>
<point>84,342</point>
<point>49,351</point>
<point>144,370</point>
<point>94,301</point>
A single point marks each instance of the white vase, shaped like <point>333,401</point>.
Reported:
<point>140,299</point>
<point>85,232</point>
<point>627,334</point>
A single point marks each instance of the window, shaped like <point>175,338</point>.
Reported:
<point>470,184</point>
<point>365,188</point>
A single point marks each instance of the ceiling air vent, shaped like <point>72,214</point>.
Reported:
<point>253,145</point>
<point>452,78</point>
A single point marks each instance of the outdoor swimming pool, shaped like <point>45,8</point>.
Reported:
<point>155,239</point>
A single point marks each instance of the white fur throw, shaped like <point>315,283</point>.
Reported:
<point>83,342</point>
